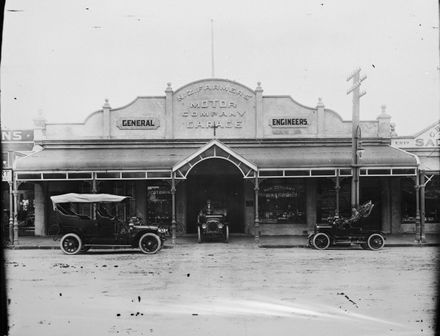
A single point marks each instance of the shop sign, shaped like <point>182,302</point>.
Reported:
<point>287,122</point>
<point>6,175</point>
<point>142,123</point>
<point>215,104</point>
<point>17,135</point>
<point>428,139</point>
<point>431,138</point>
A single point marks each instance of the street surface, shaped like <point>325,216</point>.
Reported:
<point>223,289</point>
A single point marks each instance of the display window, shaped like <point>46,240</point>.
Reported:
<point>159,203</point>
<point>408,202</point>
<point>326,199</point>
<point>282,202</point>
<point>432,200</point>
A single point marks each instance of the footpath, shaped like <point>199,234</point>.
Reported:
<point>395,240</point>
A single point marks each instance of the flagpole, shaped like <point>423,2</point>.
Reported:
<point>212,49</point>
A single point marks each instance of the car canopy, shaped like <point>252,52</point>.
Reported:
<point>87,198</point>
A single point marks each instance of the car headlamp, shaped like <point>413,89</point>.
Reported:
<point>220,225</point>
<point>204,226</point>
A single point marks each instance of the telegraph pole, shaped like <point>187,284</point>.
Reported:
<point>355,133</point>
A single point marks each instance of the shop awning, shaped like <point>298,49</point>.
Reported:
<point>326,157</point>
<point>102,159</point>
<point>430,164</point>
<point>149,162</point>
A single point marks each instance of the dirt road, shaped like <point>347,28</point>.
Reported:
<point>223,289</point>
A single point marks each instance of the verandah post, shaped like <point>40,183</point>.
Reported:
<point>417,187</point>
<point>257,219</point>
<point>173,209</point>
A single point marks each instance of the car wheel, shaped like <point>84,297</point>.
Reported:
<point>226,234</point>
<point>375,241</point>
<point>310,241</point>
<point>199,235</point>
<point>71,244</point>
<point>321,241</point>
<point>149,243</point>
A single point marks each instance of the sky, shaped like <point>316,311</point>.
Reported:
<point>63,58</point>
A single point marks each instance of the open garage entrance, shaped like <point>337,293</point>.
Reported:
<point>222,183</point>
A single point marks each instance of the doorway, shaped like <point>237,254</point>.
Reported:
<point>220,182</point>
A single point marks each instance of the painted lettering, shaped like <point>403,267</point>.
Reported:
<point>288,122</point>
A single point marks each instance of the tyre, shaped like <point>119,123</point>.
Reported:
<point>375,241</point>
<point>321,241</point>
<point>71,243</point>
<point>310,241</point>
<point>199,235</point>
<point>149,243</point>
<point>226,234</point>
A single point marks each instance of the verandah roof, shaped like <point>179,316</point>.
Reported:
<point>165,158</point>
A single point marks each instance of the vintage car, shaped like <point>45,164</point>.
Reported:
<point>212,224</point>
<point>347,231</point>
<point>80,232</point>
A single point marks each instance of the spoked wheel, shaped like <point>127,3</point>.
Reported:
<point>149,243</point>
<point>199,235</point>
<point>321,241</point>
<point>71,244</point>
<point>310,241</point>
<point>226,234</point>
<point>375,241</point>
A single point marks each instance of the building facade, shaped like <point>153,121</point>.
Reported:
<point>15,144</point>
<point>279,167</point>
<point>421,205</point>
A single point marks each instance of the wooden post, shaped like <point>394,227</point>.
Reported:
<point>15,192</point>
<point>94,191</point>
<point>417,187</point>
<point>257,219</point>
<point>422,207</point>
<point>337,189</point>
<point>11,213</point>
<point>173,209</point>
<point>357,94</point>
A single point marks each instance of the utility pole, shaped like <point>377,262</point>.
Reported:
<point>355,134</point>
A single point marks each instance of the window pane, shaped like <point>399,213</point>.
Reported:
<point>282,201</point>
<point>326,197</point>
<point>408,200</point>
<point>432,200</point>
<point>158,203</point>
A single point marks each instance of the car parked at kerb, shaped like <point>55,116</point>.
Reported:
<point>343,231</point>
<point>99,228</point>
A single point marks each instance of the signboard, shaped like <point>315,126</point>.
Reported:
<point>223,106</point>
<point>427,139</point>
<point>7,175</point>
<point>286,122</point>
<point>140,123</point>
<point>17,135</point>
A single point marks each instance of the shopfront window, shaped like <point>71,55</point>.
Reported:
<point>326,199</point>
<point>432,200</point>
<point>408,200</point>
<point>159,203</point>
<point>282,202</point>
